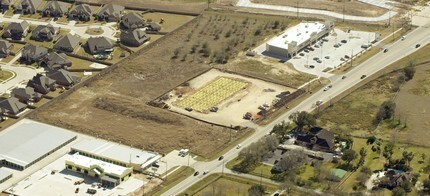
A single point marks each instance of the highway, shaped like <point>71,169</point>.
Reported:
<point>396,51</point>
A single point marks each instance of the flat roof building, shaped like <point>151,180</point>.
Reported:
<point>27,142</point>
<point>109,174</point>
<point>4,175</point>
<point>117,154</point>
<point>296,38</point>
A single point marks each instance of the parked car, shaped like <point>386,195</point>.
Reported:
<point>417,46</point>
<point>403,38</point>
<point>364,46</point>
<point>77,190</point>
<point>347,57</point>
<point>220,158</point>
<point>327,57</point>
<point>385,50</point>
<point>306,50</point>
<point>343,41</point>
<point>316,58</point>
<point>196,173</point>
<point>319,61</point>
<point>363,76</point>
<point>301,54</point>
<point>343,77</point>
<point>311,66</point>
<point>205,172</point>
<point>238,146</point>
<point>189,109</point>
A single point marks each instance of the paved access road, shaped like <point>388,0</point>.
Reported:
<point>249,4</point>
<point>396,51</point>
<point>108,30</point>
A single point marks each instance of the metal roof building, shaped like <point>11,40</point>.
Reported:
<point>296,38</point>
<point>115,153</point>
<point>4,175</point>
<point>27,141</point>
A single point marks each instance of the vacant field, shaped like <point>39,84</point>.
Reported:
<point>355,8</point>
<point>114,106</point>
<point>171,21</point>
<point>193,6</point>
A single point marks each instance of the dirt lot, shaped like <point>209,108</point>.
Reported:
<point>193,6</point>
<point>114,106</point>
<point>355,8</point>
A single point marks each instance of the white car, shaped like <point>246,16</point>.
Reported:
<point>238,146</point>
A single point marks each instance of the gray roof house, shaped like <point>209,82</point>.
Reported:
<point>28,6</point>
<point>98,45</point>
<point>32,53</point>
<point>81,12</point>
<point>67,43</point>
<point>42,84</point>
<point>110,13</point>
<point>134,37</point>
<point>153,26</point>
<point>44,33</point>
<point>11,105</point>
<point>55,61</point>
<point>16,30</point>
<point>5,48</point>
<point>64,78</point>
<point>132,20</point>
<point>26,94</point>
<point>55,8</point>
<point>5,4</point>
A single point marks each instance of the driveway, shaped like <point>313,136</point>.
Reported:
<point>108,30</point>
<point>249,4</point>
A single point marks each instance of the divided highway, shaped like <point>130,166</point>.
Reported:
<point>396,51</point>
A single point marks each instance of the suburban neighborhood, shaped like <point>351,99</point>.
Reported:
<point>244,97</point>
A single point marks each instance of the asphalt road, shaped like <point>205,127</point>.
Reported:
<point>396,51</point>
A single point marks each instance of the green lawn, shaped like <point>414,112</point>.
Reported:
<point>261,170</point>
<point>172,180</point>
<point>78,63</point>
<point>4,75</point>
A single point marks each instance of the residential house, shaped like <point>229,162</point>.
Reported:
<point>42,84</point>
<point>63,77</point>
<point>32,53</point>
<point>55,61</point>
<point>81,12</point>
<point>317,139</point>
<point>394,178</point>
<point>5,4</point>
<point>67,43</point>
<point>110,13</point>
<point>26,94</point>
<point>132,20</point>
<point>11,105</point>
<point>28,6</point>
<point>134,37</point>
<point>44,33</point>
<point>55,8</point>
<point>5,48</point>
<point>97,45</point>
<point>16,30</point>
<point>153,26</point>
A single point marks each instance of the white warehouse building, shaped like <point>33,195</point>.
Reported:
<point>298,37</point>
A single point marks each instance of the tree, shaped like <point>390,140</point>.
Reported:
<point>426,185</point>
<point>398,191</point>
<point>408,157</point>
<point>256,190</point>
<point>281,129</point>
<point>349,155</point>
<point>409,72</point>
<point>388,151</point>
<point>371,139</point>
<point>292,161</point>
<point>302,119</point>
<point>386,111</point>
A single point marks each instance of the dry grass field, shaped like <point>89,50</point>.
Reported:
<point>114,106</point>
<point>193,6</point>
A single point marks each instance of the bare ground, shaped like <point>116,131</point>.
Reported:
<point>355,8</point>
<point>114,106</point>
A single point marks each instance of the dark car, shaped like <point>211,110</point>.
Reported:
<point>417,46</point>
<point>196,173</point>
<point>220,158</point>
<point>343,77</point>
<point>385,50</point>
<point>343,41</point>
<point>363,76</point>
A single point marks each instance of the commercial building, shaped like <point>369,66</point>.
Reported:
<point>4,175</point>
<point>117,154</point>
<point>27,142</point>
<point>109,174</point>
<point>297,38</point>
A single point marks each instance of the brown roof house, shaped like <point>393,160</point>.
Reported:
<point>81,12</point>
<point>11,105</point>
<point>32,53</point>
<point>134,37</point>
<point>110,13</point>
<point>5,48</point>
<point>132,20</point>
<point>67,43</point>
<point>44,33</point>
<point>16,30</point>
<point>55,8</point>
<point>42,84</point>
<point>55,61</point>
<point>5,4</point>
<point>63,77</point>
<point>26,94</point>
<point>28,6</point>
<point>317,139</point>
<point>97,45</point>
